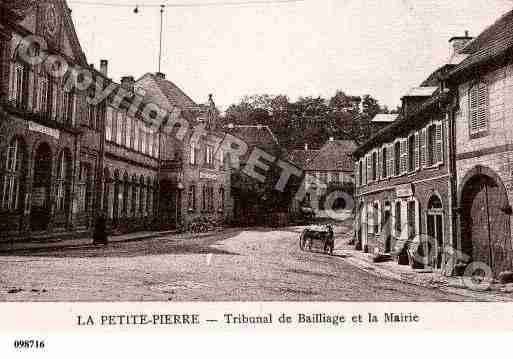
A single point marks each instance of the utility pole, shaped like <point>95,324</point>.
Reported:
<point>162,7</point>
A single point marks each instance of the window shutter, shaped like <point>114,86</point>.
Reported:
<point>417,151</point>
<point>482,106</point>
<point>404,154</point>
<point>439,143</point>
<point>473,109</point>
<point>423,148</point>
<point>390,160</point>
<point>379,164</point>
<point>356,174</point>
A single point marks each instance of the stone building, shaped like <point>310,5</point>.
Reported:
<point>332,166</point>
<point>194,177</point>
<point>49,135</point>
<point>482,83</point>
<point>403,177</point>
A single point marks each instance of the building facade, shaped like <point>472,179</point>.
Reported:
<point>194,178</point>
<point>50,135</point>
<point>403,180</point>
<point>481,116</point>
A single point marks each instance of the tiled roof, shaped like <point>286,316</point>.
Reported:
<point>491,43</point>
<point>174,94</point>
<point>302,157</point>
<point>334,156</point>
<point>254,136</point>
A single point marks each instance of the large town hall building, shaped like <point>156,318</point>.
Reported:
<point>66,159</point>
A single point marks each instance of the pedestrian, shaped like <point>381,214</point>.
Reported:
<point>100,230</point>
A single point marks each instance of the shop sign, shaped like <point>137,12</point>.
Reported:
<point>405,190</point>
<point>208,176</point>
<point>36,127</point>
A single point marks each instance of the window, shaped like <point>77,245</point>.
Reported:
<point>108,125</point>
<point>119,128</point>
<point>397,158</point>
<point>384,162</point>
<point>191,200</point>
<point>62,182</point>
<point>360,172</point>
<point>431,145</point>
<point>478,108</point>
<point>374,166</point>
<point>137,136</point>
<point>19,84</point>
<point>128,132</point>
<point>68,106</point>
<point>42,98</point>
<point>211,199</point>
<point>209,155</point>
<point>375,218</point>
<point>11,196</point>
<point>82,188</point>
<point>221,199</point>
<point>412,215</point>
<point>398,219</point>
<point>91,116</point>
<point>192,153</point>
<point>411,153</point>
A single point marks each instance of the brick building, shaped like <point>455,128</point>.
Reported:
<point>50,137</point>
<point>481,116</point>
<point>403,176</point>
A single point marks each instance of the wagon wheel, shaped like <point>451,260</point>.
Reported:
<point>302,240</point>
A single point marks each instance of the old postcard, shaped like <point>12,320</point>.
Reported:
<point>207,165</point>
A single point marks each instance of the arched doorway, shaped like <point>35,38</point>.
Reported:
<point>40,206</point>
<point>485,222</point>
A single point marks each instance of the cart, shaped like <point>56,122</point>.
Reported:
<point>321,237</point>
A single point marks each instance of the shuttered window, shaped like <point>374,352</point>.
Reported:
<point>384,162</point>
<point>478,108</point>
<point>390,160</point>
<point>423,148</point>
<point>404,156</point>
<point>439,143</point>
<point>397,158</point>
<point>411,153</point>
<point>369,169</point>
<point>357,173</point>
<point>417,151</point>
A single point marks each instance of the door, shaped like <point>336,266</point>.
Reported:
<point>387,232</point>
<point>40,206</point>
<point>435,231</point>
<point>486,226</point>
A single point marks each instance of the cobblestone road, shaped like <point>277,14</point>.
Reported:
<point>253,265</point>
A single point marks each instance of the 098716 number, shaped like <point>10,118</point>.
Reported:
<point>29,344</point>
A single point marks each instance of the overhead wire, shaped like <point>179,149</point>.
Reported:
<point>194,4</point>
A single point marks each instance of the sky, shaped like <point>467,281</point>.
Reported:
<point>306,48</point>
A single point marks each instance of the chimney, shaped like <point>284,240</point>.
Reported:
<point>104,67</point>
<point>160,75</point>
<point>459,42</point>
<point>128,82</point>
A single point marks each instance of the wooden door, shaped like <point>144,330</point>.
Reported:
<point>480,230</point>
<point>499,223</point>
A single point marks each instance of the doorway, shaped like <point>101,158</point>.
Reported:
<point>40,206</point>
<point>435,230</point>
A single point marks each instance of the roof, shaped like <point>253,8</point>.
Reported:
<point>403,123</point>
<point>302,157</point>
<point>385,117</point>
<point>260,136</point>
<point>334,156</point>
<point>173,93</point>
<point>422,91</point>
<point>492,43</point>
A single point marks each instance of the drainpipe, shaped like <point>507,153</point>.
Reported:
<point>453,205</point>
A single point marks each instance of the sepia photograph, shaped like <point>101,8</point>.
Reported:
<point>256,151</point>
